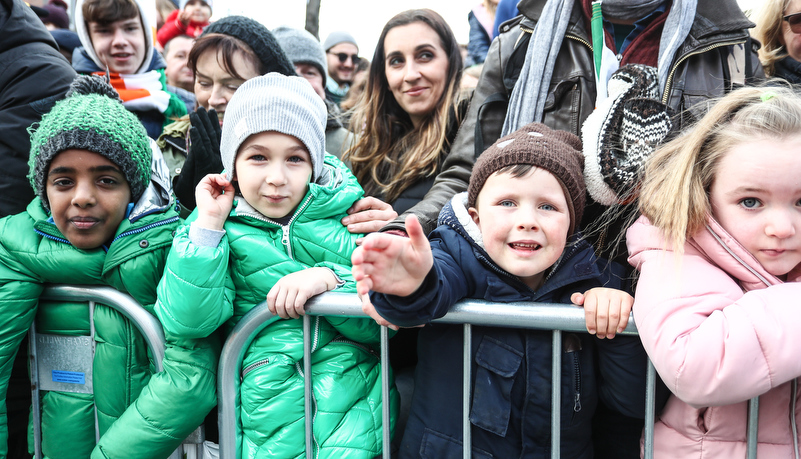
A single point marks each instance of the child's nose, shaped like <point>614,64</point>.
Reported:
<point>527,219</point>
<point>782,224</point>
<point>276,176</point>
<point>84,196</point>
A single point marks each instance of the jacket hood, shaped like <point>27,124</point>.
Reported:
<point>334,192</point>
<point>20,25</point>
<point>454,215</point>
<point>158,194</point>
<point>89,50</point>
<point>714,244</point>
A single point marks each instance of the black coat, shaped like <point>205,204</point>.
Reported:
<point>33,76</point>
<point>511,368</point>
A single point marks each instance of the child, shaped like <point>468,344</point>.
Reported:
<point>117,38</point>
<point>279,237</point>
<point>190,19</point>
<point>98,219</point>
<point>510,238</point>
<point>718,249</point>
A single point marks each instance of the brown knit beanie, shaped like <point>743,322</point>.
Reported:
<point>558,152</point>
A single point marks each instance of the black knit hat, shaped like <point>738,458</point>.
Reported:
<point>558,152</point>
<point>260,40</point>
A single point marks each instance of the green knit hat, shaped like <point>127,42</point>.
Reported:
<point>91,118</point>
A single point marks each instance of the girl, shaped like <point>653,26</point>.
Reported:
<point>408,116</point>
<point>286,211</point>
<point>718,248</point>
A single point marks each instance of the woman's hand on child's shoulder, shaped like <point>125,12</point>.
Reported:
<point>215,197</point>
<point>289,295</point>
<point>606,310</point>
<point>368,215</point>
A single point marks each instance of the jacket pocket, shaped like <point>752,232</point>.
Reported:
<point>563,106</point>
<point>439,446</point>
<point>497,364</point>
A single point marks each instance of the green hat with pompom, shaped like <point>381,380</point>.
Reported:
<point>91,118</point>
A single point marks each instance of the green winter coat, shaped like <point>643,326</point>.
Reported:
<point>205,287</point>
<point>140,414</point>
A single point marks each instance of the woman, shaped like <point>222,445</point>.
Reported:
<point>409,115</point>
<point>779,30</point>
<point>230,52</point>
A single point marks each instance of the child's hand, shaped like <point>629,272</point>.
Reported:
<point>215,197</point>
<point>369,309</point>
<point>606,310</point>
<point>185,17</point>
<point>393,264</point>
<point>288,296</point>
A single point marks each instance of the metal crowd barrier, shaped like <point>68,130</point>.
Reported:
<point>541,316</point>
<point>63,353</point>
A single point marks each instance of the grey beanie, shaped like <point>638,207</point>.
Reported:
<point>301,47</point>
<point>336,38</point>
<point>275,102</point>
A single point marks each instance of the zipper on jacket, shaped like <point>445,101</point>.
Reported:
<point>146,227</point>
<point>253,366</point>
<point>577,383</point>
<point>54,238</point>
<point>689,55</point>
<point>579,39</point>
<point>342,340</point>
<point>285,228</point>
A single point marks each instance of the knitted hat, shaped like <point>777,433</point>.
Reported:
<point>182,3</point>
<point>258,37</point>
<point>57,16</point>
<point>91,118</point>
<point>336,38</point>
<point>558,152</point>
<point>301,47</point>
<point>275,102</point>
<point>622,132</point>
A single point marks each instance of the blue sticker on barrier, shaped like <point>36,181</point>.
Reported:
<point>70,377</point>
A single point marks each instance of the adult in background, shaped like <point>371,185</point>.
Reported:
<point>309,59</point>
<point>779,30</point>
<point>343,58</point>
<point>228,53</point>
<point>481,19</point>
<point>33,76</point>
<point>57,17</point>
<point>180,79</point>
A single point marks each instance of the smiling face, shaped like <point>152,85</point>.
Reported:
<point>120,44</point>
<point>198,11</point>
<point>88,197</point>
<point>214,86</point>
<point>342,72</point>
<point>523,221</point>
<point>273,172</point>
<point>756,197</point>
<point>416,66</point>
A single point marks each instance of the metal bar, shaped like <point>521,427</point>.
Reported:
<point>650,411</point>
<point>467,351</point>
<point>385,400</point>
<point>752,428</point>
<point>37,409</point>
<point>556,394</point>
<point>92,305</point>
<point>307,387</point>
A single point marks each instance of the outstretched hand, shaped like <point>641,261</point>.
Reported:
<point>606,310</point>
<point>393,264</point>
<point>202,154</point>
<point>215,197</point>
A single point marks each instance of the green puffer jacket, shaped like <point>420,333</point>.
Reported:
<point>203,287</point>
<point>140,414</point>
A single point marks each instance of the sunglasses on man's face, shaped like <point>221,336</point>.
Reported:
<point>794,20</point>
<point>343,57</point>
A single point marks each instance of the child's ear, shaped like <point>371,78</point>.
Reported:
<point>473,214</point>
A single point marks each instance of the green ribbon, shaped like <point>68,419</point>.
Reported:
<point>597,23</point>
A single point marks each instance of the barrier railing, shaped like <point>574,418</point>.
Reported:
<point>148,326</point>
<point>540,316</point>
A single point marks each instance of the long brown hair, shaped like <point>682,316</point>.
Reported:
<point>391,154</point>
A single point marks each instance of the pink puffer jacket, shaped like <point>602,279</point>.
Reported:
<point>720,330</point>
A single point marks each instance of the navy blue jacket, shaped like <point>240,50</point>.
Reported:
<point>511,370</point>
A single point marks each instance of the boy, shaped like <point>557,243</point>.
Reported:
<point>98,219</point>
<point>278,236</point>
<point>510,238</point>
<point>117,38</point>
<point>192,17</point>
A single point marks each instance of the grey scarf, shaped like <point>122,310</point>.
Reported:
<point>527,102</point>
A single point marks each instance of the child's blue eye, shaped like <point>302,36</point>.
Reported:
<point>749,203</point>
<point>295,159</point>
<point>506,203</point>
<point>547,207</point>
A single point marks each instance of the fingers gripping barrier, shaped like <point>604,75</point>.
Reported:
<point>148,326</point>
<point>541,316</point>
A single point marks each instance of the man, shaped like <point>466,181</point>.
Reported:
<point>343,58</point>
<point>180,79</point>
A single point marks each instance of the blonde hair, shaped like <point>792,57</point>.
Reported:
<point>391,154</point>
<point>769,32</point>
<point>674,195</point>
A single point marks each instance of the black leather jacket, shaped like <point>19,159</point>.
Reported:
<point>711,61</point>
